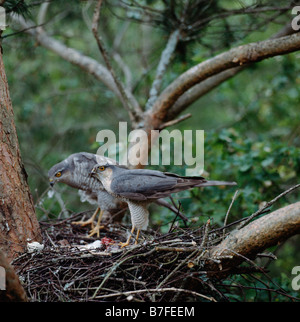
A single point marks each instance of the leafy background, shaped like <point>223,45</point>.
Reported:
<point>251,121</point>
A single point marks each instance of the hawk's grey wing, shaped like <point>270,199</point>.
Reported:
<point>142,184</point>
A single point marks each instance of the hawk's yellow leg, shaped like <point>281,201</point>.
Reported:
<point>137,236</point>
<point>128,240</point>
<point>96,230</point>
<point>87,222</point>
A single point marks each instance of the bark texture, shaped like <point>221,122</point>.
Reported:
<point>18,220</point>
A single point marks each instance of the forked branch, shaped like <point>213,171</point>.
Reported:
<point>235,57</point>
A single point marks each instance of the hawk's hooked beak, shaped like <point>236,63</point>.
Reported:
<point>51,181</point>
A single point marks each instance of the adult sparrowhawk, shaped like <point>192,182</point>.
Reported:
<point>139,187</point>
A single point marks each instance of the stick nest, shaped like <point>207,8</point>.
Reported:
<point>162,267</point>
<point>74,267</point>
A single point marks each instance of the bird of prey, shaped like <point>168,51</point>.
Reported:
<point>140,187</point>
<point>75,171</point>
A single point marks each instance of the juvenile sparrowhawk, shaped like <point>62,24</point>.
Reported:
<point>75,171</point>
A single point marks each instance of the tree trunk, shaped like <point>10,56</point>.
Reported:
<point>18,221</point>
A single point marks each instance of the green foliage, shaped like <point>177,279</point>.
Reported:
<point>251,122</point>
<point>19,7</point>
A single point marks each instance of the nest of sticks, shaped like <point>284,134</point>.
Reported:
<point>162,267</point>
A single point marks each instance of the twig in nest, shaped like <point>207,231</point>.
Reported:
<point>114,267</point>
<point>179,206</point>
<point>175,249</point>
<point>178,267</point>
<point>156,290</point>
<point>204,239</point>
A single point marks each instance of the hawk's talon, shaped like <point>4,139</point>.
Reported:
<point>84,223</point>
<point>124,244</point>
<point>87,222</point>
<point>128,240</point>
<point>95,230</point>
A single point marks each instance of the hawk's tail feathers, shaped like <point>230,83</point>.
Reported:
<point>216,183</point>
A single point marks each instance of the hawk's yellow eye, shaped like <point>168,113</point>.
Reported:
<point>101,168</point>
<point>58,174</point>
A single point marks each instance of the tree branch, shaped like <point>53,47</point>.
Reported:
<point>75,57</point>
<point>134,111</point>
<point>200,90</point>
<point>212,82</point>
<point>260,234</point>
<point>267,205</point>
<point>175,121</point>
<point>41,18</point>
<point>119,60</point>
<point>162,67</point>
<point>235,57</point>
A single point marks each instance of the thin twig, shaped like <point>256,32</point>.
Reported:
<point>173,222</point>
<point>267,205</point>
<point>114,267</point>
<point>134,111</point>
<point>205,235</point>
<point>156,290</point>
<point>173,122</point>
<point>228,211</point>
<point>175,249</point>
<point>177,268</point>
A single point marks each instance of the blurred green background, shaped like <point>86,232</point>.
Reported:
<point>251,122</point>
